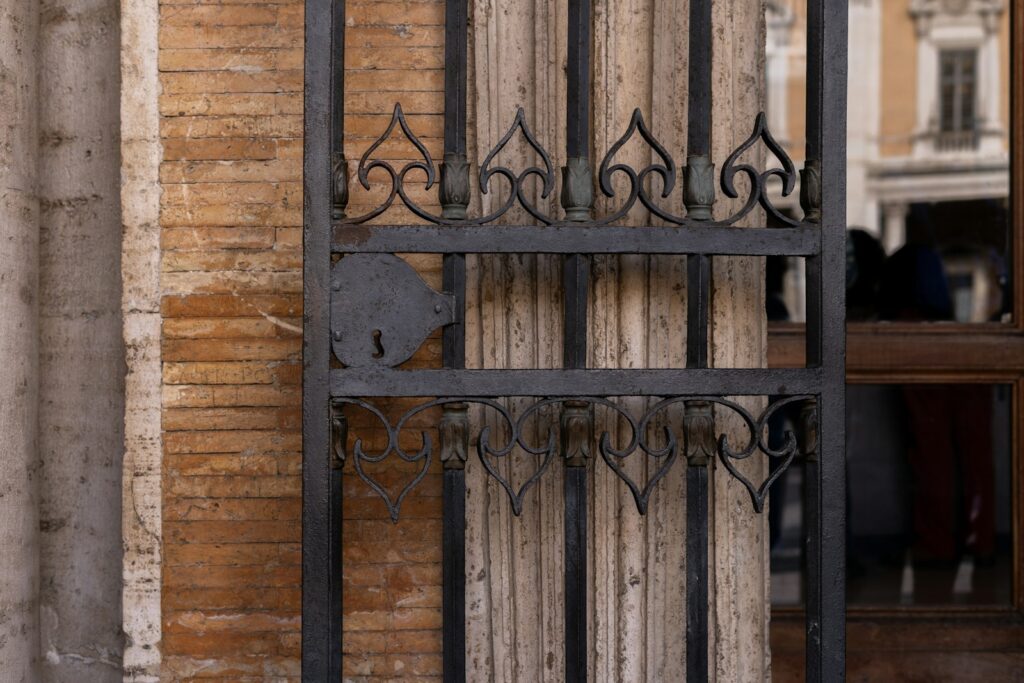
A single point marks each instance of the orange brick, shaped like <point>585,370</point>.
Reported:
<point>231,238</point>
<point>233,487</point>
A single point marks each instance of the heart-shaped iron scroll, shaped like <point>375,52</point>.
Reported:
<point>425,455</point>
<point>666,455</point>
<point>546,452</point>
<point>786,452</point>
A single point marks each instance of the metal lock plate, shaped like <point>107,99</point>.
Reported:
<point>382,310</point>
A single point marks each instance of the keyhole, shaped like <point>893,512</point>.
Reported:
<point>379,353</point>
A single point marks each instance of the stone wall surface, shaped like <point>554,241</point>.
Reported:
<point>140,302</point>
<point>81,374</point>
<point>19,330</point>
<point>61,357</point>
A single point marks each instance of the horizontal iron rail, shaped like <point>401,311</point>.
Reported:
<point>387,382</point>
<point>575,239</point>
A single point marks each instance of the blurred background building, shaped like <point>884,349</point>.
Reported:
<point>932,305</point>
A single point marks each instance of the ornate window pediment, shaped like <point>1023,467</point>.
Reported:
<point>929,13</point>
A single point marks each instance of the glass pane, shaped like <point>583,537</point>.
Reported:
<point>929,153</point>
<point>929,499</point>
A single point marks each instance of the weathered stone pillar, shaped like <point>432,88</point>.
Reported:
<point>81,372</point>
<point>140,272</point>
<point>637,319</point>
<point>19,339</point>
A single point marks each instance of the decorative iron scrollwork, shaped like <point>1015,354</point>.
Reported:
<point>758,442</point>
<point>759,179</point>
<point>570,432</point>
<point>577,192</point>
<point>665,169</point>
<point>517,182</point>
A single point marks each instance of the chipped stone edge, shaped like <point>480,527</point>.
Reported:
<point>141,154</point>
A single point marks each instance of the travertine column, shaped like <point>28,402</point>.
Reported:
<point>140,272</point>
<point>514,319</point>
<point>637,319</point>
<point>81,372</point>
<point>19,338</point>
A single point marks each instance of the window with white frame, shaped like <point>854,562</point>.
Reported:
<point>958,96</point>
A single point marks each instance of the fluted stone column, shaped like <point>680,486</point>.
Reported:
<point>81,371</point>
<point>636,578</point>
<point>19,365</point>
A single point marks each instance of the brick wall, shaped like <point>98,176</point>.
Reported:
<point>231,215</point>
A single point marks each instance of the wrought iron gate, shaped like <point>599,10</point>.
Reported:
<point>367,311</point>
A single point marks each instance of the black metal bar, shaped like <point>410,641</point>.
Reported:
<point>827,24</point>
<point>577,200</point>
<point>699,432</point>
<point>338,445</point>
<point>533,239</point>
<point>577,80</point>
<point>321,625</point>
<point>696,573</point>
<point>576,283</point>
<point>576,574</point>
<point>339,166</point>
<point>454,575</point>
<point>454,195</point>
<point>808,432</point>
<point>698,304</point>
<point>699,198</point>
<point>698,133</point>
<point>455,85</point>
<point>386,382</point>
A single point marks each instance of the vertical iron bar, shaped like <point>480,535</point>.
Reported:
<point>454,200</point>
<point>454,575</point>
<point>699,434</point>
<point>575,574</point>
<point>696,573</point>
<point>339,165</point>
<point>577,200</point>
<point>578,80</point>
<point>321,619</point>
<point>338,444</point>
<point>825,591</point>
<point>577,429</point>
<point>454,195</point>
<point>455,45</point>
<point>698,134</point>
<point>699,198</point>
<point>698,303</point>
